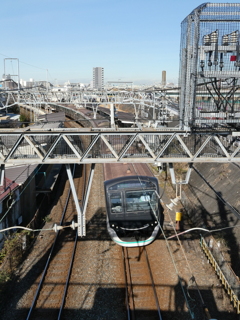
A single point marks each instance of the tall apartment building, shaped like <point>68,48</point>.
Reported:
<point>98,78</point>
<point>164,77</point>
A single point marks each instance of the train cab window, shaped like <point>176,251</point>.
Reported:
<point>141,201</point>
<point>116,203</point>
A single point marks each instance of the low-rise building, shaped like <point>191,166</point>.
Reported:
<point>17,197</point>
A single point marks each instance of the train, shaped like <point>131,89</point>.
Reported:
<point>134,210</point>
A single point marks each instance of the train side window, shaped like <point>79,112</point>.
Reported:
<point>116,203</point>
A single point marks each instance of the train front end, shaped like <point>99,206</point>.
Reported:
<point>134,212</point>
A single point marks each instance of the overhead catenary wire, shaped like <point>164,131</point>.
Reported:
<point>71,226</point>
<point>175,267</point>
<point>31,65</point>
<point>174,263</point>
<point>202,229</point>
<point>192,277</point>
<point>168,247</point>
<point>24,228</point>
<point>188,264</point>
<point>4,55</point>
<point>235,212</point>
<point>55,228</point>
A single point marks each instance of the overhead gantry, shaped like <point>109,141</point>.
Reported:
<point>19,146</point>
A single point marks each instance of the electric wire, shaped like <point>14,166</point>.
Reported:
<point>192,278</point>
<point>54,228</point>
<point>235,212</point>
<point>202,229</point>
<point>168,238</point>
<point>168,247</point>
<point>4,55</point>
<point>176,269</point>
<point>173,261</point>
<point>24,228</point>
<point>186,259</point>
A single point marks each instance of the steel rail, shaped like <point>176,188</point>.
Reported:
<point>126,288</point>
<point>48,261</point>
<point>72,257</point>
<point>153,285</point>
<point>68,276</point>
<point>129,285</point>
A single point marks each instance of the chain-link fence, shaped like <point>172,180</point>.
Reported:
<point>209,65</point>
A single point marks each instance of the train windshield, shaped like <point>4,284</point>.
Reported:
<point>133,204</point>
<point>116,203</point>
<point>141,201</point>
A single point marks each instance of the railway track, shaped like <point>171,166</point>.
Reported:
<point>50,295</point>
<point>96,286</point>
<point>140,288</point>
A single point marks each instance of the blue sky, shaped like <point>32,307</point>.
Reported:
<point>134,40</point>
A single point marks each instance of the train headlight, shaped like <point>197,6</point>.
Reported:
<point>113,225</point>
<point>155,222</point>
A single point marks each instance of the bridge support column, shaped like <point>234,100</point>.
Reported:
<point>2,172</point>
<point>89,184</point>
<point>187,177</point>
<point>80,217</point>
<point>112,115</point>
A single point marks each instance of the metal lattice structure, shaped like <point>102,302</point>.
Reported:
<point>210,66</point>
<point>152,105</point>
<point>18,146</point>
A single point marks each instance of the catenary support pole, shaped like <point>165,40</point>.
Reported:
<point>80,217</point>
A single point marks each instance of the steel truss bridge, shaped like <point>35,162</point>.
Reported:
<point>208,109</point>
<point>92,145</point>
<point>19,146</point>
